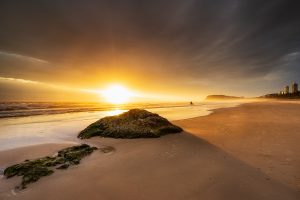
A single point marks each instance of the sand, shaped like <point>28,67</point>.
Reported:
<point>247,152</point>
<point>264,135</point>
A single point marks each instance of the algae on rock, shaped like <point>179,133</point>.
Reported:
<point>135,123</point>
<point>33,170</point>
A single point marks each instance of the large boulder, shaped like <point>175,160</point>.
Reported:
<point>135,123</point>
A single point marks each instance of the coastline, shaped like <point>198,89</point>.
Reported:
<point>61,128</point>
<point>232,153</point>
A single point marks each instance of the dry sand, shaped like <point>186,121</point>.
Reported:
<point>264,135</point>
<point>247,152</point>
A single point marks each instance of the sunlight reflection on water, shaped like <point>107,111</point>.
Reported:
<point>117,111</point>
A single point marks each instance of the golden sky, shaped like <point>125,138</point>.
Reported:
<point>160,51</point>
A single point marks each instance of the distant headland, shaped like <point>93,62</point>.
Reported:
<point>222,97</point>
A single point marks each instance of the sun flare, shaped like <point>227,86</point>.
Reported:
<point>117,94</point>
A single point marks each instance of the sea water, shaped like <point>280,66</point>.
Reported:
<point>23,124</point>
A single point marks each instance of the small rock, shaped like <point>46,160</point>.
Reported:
<point>107,149</point>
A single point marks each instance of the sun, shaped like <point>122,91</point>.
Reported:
<point>117,94</point>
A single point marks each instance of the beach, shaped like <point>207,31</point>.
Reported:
<point>250,151</point>
<point>47,127</point>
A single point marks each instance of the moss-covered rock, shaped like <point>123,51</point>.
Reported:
<point>135,123</point>
<point>74,154</point>
<point>32,170</point>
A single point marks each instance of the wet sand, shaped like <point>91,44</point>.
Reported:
<point>247,152</point>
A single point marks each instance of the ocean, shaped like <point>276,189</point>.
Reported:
<point>32,123</point>
<point>24,109</point>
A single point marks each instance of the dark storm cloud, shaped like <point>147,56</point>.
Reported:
<point>196,38</point>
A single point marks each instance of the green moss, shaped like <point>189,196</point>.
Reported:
<point>64,166</point>
<point>32,170</point>
<point>135,123</point>
<point>33,174</point>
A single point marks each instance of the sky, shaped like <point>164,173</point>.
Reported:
<point>62,50</point>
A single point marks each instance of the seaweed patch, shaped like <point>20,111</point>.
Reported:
<point>32,170</point>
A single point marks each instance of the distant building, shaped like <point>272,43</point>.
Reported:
<point>286,93</point>
<point>287,90</point>
<point>294,88</point>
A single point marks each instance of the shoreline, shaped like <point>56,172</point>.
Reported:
<point>231,153</point>
<point>60,128</point>
<point>8,113</point>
